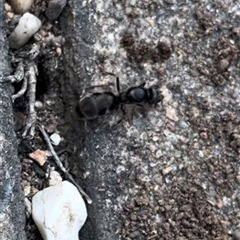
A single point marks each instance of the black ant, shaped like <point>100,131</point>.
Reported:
<point>104,103</point>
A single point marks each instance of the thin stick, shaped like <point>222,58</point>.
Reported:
<point>22,90</point>
<point>60,165</point>
<point>32,116</point>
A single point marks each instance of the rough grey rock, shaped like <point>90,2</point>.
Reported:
<point>54,9</point>
<point>12,207</point>
<point>192,140</point>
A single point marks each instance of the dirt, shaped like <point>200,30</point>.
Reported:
<point>143,52</point>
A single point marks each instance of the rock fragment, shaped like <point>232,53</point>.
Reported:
<point>27,26</point>
<point>59,212</point>
<point>39,156</point>
<point>20,6</point>
<point>223,65</point>
<point>166,170</point>
<point>55,138</point>
<point>54,178</point>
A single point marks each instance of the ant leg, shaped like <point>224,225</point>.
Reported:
<point>102,120</point>
<point>102,87</point>
<point>82,93</point>
<point>119,121</point>
<point>122,109</point>
<point>123,113</point>
<point>118,84</point>
<point>142,85</point>
<point>85,125</point>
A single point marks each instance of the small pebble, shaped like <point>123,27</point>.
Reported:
<point>56,139</point>
<point>43,33</point>
<point>48,153</point>
<point>133,216</point>
<point>54,178</point>
<point>157,179</point>
<point>51,128</point>
<point>49,103</point>
<point>167,170</point>
<point>7,7</point>
<point>153,164</point>
<point>203,135</point>
<point>20,6</point>
<point>155,138</point>
<point>39,156</point>
<point>59,51</point>
<point>27,190</point>
<point>152,148</point>
<point>38,105</point>
<point>220,204</point>
<point>10,16</point>
<point>223,65</point>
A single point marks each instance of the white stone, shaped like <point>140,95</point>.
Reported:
<point>54,178</point>
<point>56,139</point>
<point>59,212</point>
<point>20,6</point>
<point>38,105</point>
<point>27,26</point>
<point>27,190</point>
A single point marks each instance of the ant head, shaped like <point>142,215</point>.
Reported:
<point>155,96</point>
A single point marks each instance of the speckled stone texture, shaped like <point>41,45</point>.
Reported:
<point>174,173</point>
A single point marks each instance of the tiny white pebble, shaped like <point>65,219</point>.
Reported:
<point>49,102</point>
<point>10,15</point>
<point>27,190</point>
<point>48,153</point>
<point>155,138</point>
<point>152,148</point>
<point>59,51</point>
<point>55,178</point>
<point>38,104</point>
<point>167,170</point>
<point>7,7</point>
<point>56,139</point>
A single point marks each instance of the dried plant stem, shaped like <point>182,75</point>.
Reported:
<point>60,165</point>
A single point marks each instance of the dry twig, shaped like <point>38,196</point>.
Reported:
<point>27,71</point>
<point>60,165</point>
<point>32,81</point>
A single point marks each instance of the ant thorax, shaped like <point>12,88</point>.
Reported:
<point>137,95</point>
